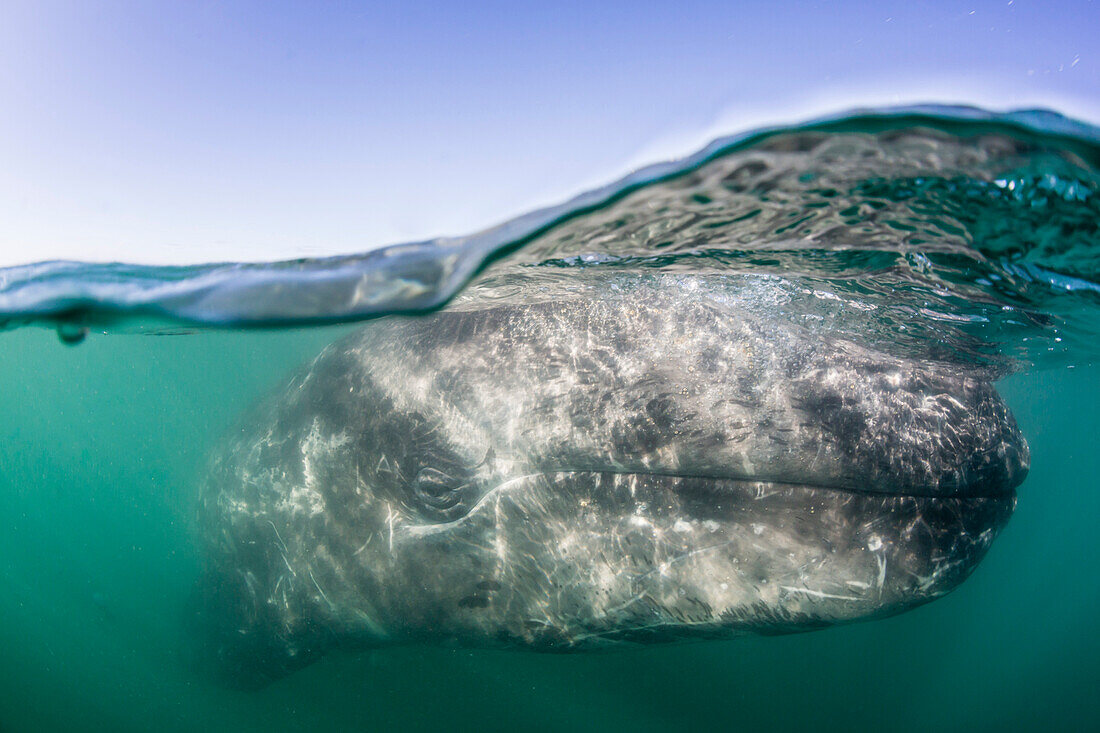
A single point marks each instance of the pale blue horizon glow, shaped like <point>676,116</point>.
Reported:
<point>172,133</point>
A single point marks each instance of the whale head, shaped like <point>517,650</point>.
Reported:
<point>593,468</point>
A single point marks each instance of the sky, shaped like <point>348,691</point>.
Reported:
<point>215,131</point>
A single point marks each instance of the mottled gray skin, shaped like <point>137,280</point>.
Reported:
<point>646,460</point>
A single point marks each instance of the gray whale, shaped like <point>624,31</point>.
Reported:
<point>642,458</point>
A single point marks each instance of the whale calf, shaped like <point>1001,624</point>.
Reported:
<point>644,458</point>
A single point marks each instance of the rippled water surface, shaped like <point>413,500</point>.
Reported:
<point>946,235</point>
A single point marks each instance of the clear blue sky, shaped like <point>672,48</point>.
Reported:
<point>196,131</point>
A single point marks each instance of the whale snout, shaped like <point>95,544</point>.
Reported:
<point>900,430</point>
<point>725,399</point>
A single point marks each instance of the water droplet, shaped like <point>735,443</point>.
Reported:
<point>71,334</point>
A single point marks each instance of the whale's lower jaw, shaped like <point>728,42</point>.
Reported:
<point>572,561</point>
<point>598,558</point>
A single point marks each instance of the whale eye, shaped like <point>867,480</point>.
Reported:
<point>438,489</point>
<point>434,481</point>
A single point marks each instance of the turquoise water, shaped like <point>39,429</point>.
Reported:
<point>952,240</point>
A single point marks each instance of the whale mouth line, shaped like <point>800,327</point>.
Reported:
<point>704,494</point>
<point>704,484</point>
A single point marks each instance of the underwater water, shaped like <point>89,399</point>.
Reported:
<point>943,236</point>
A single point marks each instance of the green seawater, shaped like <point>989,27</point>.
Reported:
<point>101,447</point>
<point>949,235</point>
